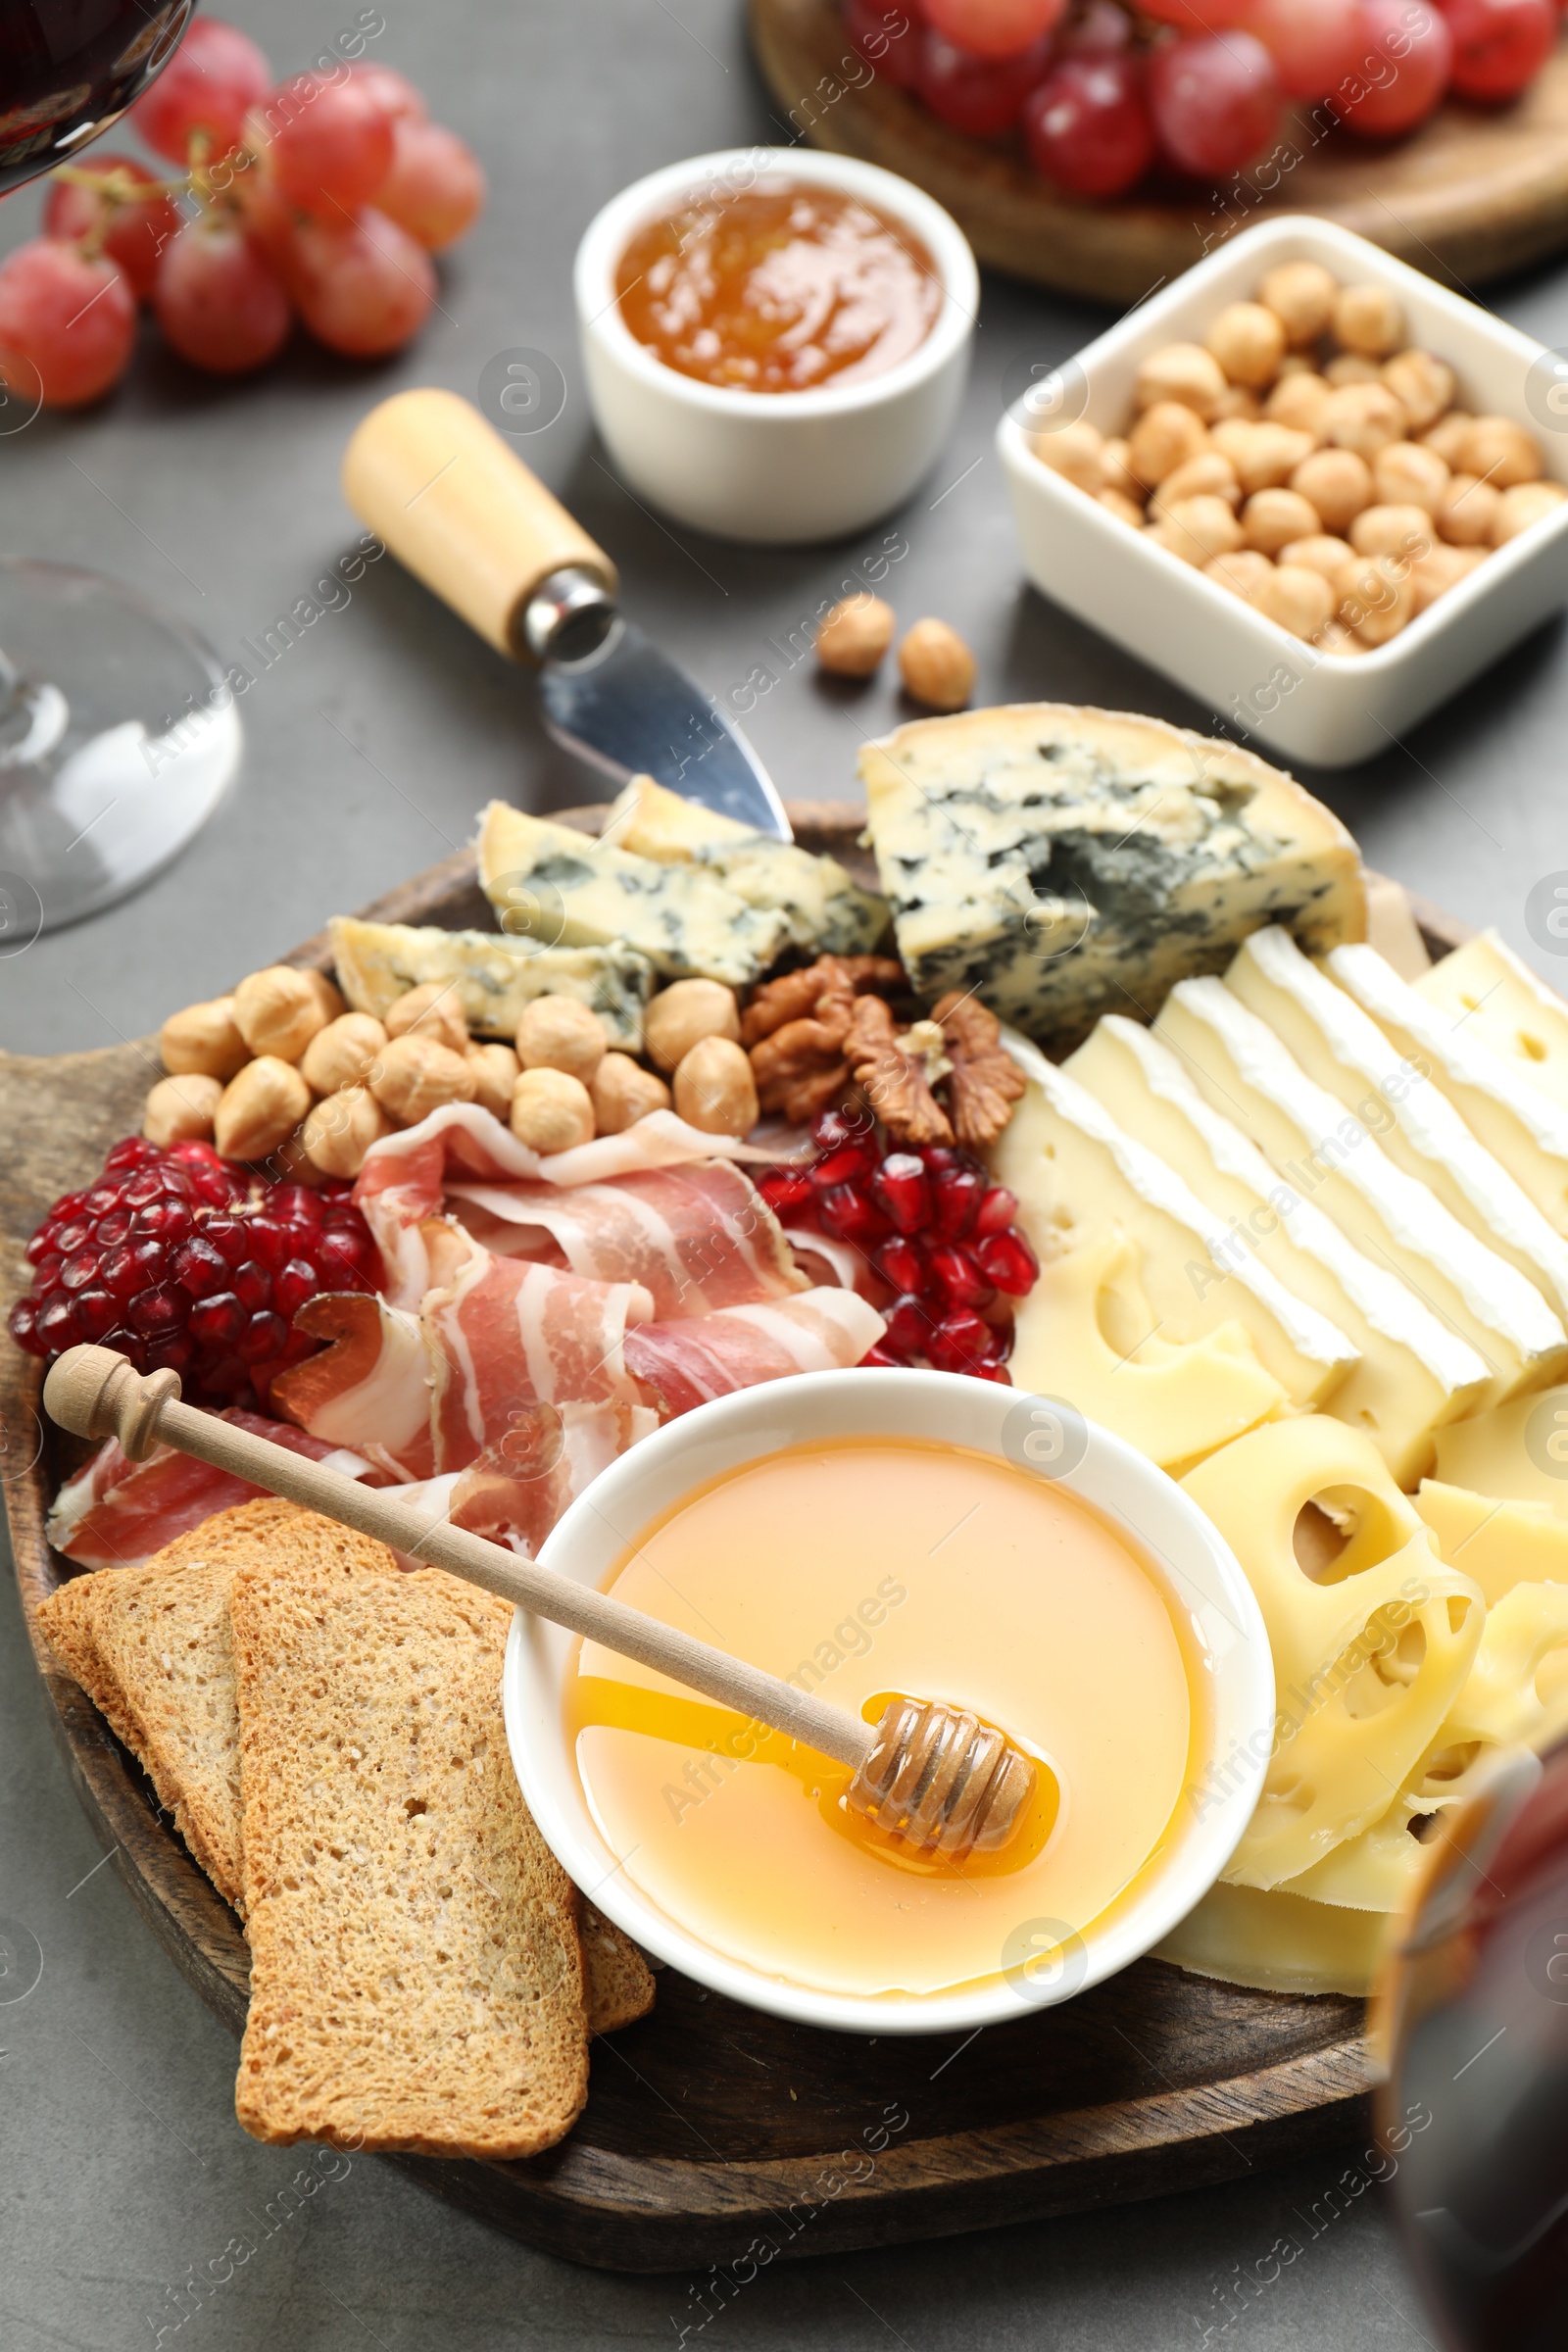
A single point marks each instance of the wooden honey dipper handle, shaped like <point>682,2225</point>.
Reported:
<point>936,1775</point>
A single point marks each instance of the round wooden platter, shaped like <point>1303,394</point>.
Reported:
<point>1473,194</point>
<point>710,2127</point>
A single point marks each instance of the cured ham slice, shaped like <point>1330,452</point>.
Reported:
<point>369,1388</point>
<point>115,1513</point>
<point>517,1499</point>
<point>696,1237</point>
<point>688,1363</point>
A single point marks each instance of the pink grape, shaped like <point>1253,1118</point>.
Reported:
<point>1102,27</point>
<point>1406,58</point>
<point>218,300</point>
<point>1215,101</point>
<point>1088,125</point>
<point>993,29</point>
<point>873,28</point>
<point>364,288</point>
<point>330,144</point>
<point>397,96</point>
<point>1199,15</point>
<point>435,186</point>
<point>208,86</point>
<point>67,325</point>
<point>1498,45</point>
<point>1314,44</point>
<point>132,233</point>
<point>983,96</point>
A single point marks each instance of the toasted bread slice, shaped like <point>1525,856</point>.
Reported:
<point>416,1977</point>
<point>620,1982</point>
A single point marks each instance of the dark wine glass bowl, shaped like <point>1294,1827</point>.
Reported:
<point>68,73</point>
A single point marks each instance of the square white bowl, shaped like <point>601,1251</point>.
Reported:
<point>1329,709</point>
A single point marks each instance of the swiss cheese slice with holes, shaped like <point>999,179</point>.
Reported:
<point>1368,1656</point>
<point>1327,1154</point>
<point>1516,1693</point>
<point>1078,1178</point>
<point>1278,1943</point>
<point>1492,998</point>
<point>1497,1544</point>
<point>1343,1049</point>
<point>1518,1453</point>
<point>1502,1109</point>
<point>1414,1373</point>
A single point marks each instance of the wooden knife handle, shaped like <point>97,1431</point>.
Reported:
<point>458,507</point>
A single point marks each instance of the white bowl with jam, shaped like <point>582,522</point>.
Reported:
<point>871,1533</point>
<point>775,341</point>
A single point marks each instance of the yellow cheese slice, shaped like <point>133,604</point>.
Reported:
<point>1494,999</point>
<point>1278,1943</point>
<point>1328,1156</point>
<point>1497,1544</point>
<point>1517,1691</point>
<point>1368,1656</point>
<point>1414,1373</point>
<point>1518,1453</point>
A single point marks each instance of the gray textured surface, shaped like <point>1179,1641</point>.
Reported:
<point>371,744</point>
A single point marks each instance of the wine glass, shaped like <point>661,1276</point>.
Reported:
<point>117,732</point>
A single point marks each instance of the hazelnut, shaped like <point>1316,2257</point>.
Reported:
<point>417,1075</point>
<point>1161,535</point>
<point>495,1074</point>
<point>1441,570</point>
<point>1501,452</point>
<point>1337,482</point>
<point>1335,638</point>
<point>1321,553</point>
<point>1467,512</point>
<point>1075,451</point>
<point>682,1015</point>
<point>1363,417</point>
<point>1375,597</point>
<point>278,1011</point>
<point>623,1093</point>
<point>1248,342</point>
<point>551,1110</point>
<point>1301,296</point>
<point>1125,509</point>
<point>181,1110</point>
<point>1180,371</point>
<point>1165,437</point>
<point>714,1090</point>
<point>855,636</point>
<point>1237,400</point>
<point>1448,435</point>
<point>1369,321</point>
<point>1264,456</point>
<point>1298,599</point>
<point>433,1010</point>
<point>1299,402</point>
<point>204,1038</point>
<point>1201,527</point>
<point>1243,572</point>
<point>1208,476</point>
<point>341,1054</point>
<point>1404,474</point>
<point>1422,385</point>
<point>341,1130</point>
<point>329,995</point>
<point>259,1107</point>
<point>1271,518</point>
<point>1350,367</point>
<point>1406,532</point>
<point>936,666</point>
<point>558,1033</point>
<point>1117,470</point>
<point>1526,503</point>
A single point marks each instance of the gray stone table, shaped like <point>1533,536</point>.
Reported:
<point>370,743</point>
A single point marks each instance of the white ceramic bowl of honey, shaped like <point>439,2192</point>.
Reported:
<point>780,466</point>
<point>870,1533</point>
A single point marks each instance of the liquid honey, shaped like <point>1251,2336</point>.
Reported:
<point>861,1570</point>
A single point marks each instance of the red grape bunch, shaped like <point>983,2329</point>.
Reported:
<point>1105,93</point>
<point>321,199</point>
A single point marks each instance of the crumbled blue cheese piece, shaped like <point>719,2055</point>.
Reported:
<point>495,976</point>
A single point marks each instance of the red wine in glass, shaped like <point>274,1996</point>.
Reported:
<point>69,70</point>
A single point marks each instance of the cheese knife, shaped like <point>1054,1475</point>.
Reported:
<point>442,489</point>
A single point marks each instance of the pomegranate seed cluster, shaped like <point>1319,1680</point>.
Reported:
<point>183,1260</point>
<point>941,1255</point>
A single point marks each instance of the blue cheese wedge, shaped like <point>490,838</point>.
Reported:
<point>1328,1155</point>
<point>1064,863</point>
<point>1414,1374</point>
<point>494,976</point>
<point>566,889</point>
<point>1343,1049</point>
<point>828,913</point>
<point>1494,999</point>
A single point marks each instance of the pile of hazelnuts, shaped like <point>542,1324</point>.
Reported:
<point>1309,458</point>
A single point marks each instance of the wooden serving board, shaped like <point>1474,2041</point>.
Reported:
<point>710,2127</point>
<point>1474,193</point>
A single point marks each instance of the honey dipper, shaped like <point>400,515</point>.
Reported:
<point>931,1774</point>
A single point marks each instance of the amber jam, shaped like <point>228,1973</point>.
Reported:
<point>861,1569</point>
<point>785,288</point>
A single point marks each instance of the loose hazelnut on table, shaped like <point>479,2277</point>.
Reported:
<point>1363,417</point>
<point>936,666</point>
<point>715,1088</point>
<point>1369,321</point>
<point>1467,512</point>
<point>259,1107</point>
<point>1208,476</point>
<point>1301,295</point>
<point>341,1130</point>
<point>329,995</point>
<point>495,1074</point>
<point>340,1054</point>
<point>1244,572</point>
<point>433,1010</point>
<point>181,1110</point>
<point>1264,456</point>
<point>1448,437</point>
<point>1421,383</point>
<point>1201,527</point>
<point>1248,342</point>
<point>1406,532</point>
<point>1299,600</point>
<point>558,1033</point>
<point>1337,482</point>
<point>1375,597</point>
<point>551,1110</point>
<point>1526,503</point>
<point>1075,451</point>
<point>1165,437</point>
<point>1321,553</point>
<point>1271,518</point>
<point>1501,452</point>
<point>624,1092</point>
<point>855,636</point>
<point>1180,371</point>
<point>682,1015</point>
<point>278,1011</point>
<point>1444,569</point>
<point>204,1038</point>
<point>417,1075</point>
<point>1299,402</point>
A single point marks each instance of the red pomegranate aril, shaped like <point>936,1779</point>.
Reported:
<point>155,1311</point>
<point>70,1237</point>
<point>347,1261</point>
<point>909,1328</point>
<point>170,1352</point>
<point>831,1130</point>
<point>847,1165</point>
<point>903,1189</point>
<point>110,1231</point>
<point>997,1372</point>
<point>55,1325</point>
<point>100,1201</point>
<point>785,1191</point>
<point>71,1204</point>
<point>902,1264</point>
<point>263,1338</point>
<point>42,1244</point>
<point>1008,1262</point>
<point>79,1271</point>
<point>227,1376</point>
<point>131,1153</point>
<point>851,1216</point>
<point>958,1193</point>
<point>294,1205</point>
<point>93,1313</point>
<point>272,1242</point>
<point>961,1341</point>
<point>218,1322</point>
<point>23,1325</point>
<point>46,1276</point>
<point>143,1190</point>
<point>131,1267</point>
<point>164,1220</point>
<point>293,1284</point>
<point>997,1211</point>
<point>253,1286</point>
<point>199,1268</point>
<point>231,1235</point>
<point>879,1361</point>
<point>960,1278</point>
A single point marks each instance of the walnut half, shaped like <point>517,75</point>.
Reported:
<point>985,1081</point>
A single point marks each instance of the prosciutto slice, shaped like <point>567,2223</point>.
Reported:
<point>688,1363</point>
<point>369,1387</point>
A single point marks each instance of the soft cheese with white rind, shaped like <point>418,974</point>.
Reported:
<point>1077,1175</point>
<point>494,976</point>
<point>1060,863</point>
<point>567,888</point>
<point>1414,1372</point>
<point>1328,1155</point>
<point>1504,1109</point>
<point>1343,1049</point>
<point>1495,999</point>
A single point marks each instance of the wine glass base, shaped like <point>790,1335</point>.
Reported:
<point>118,735</point>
